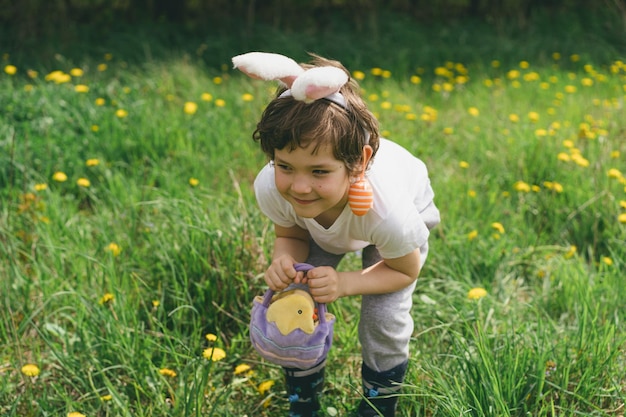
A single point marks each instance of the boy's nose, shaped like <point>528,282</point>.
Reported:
<point>301,184</point>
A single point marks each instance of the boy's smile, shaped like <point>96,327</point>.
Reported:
<point>315,184</point>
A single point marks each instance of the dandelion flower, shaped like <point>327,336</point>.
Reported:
<point>497,226</point>
<point>31,370</point>
<point>190,107</point>
<point>59,176</point>
<point>521,186</point>
<point>473,111</point>
<point>81,88</point>
<point>106,299</point>
<point>415,79</point>
<point>622,218</point>
<point>167,372</point>
<point>614,173</point>
<point>75,414</point>
<point>571,252</point>
<point>265,386</point>
<point>114,248</point>
<point>76,72</point>
<point>106,397</point>
<point>83,182</point>
<point>533,116</point>
<point>211,337</point>
<point>41,187</point>
<point>476,293</point>
<point>240,369</point>
<point>217,80</point>
<point>220,102</point>
<point>206,97</point>
<point>622,204</point>
<point>606,260</point>
<point>102,67</point>
<point>121,113</point>
<point>92,162</point>
<point>247,97</point>
<point>100,101</point>
<point>214,354</point>
<point>194,182</point>
<point>464,164</point>
<point>10,69</point>
<point>358,75</point>
<point>472,235</point>
<point>514,118</point>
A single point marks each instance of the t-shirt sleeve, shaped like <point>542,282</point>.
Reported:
<point>276,208</point>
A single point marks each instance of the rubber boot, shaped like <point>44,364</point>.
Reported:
<point>381,389</point>
<point>304,388</point>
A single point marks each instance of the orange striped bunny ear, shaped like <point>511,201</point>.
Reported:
<point>360,197</point>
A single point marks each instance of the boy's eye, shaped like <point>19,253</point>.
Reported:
<point>320,172</point>
<point>283,167</point>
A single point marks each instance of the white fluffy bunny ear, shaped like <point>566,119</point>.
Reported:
<point>268,66</point>
<point>317,83</point>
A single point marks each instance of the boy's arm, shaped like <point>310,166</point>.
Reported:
<point>386,276</point>
<point>293,241</point>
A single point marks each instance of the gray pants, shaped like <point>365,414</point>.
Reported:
<point>386,324</point>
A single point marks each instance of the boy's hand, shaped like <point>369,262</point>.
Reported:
<point>281,273</point>
<point>324,284</point>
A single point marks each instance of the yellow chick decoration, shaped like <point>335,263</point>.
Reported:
<point>293,309</point>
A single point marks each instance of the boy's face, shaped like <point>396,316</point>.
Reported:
<point>316,185</point>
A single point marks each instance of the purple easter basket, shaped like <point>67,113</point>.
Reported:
<point>297,349</point>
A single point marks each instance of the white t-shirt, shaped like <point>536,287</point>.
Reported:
<point>397,224</point>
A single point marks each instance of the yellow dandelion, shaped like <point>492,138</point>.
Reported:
<point>31,370</point>
<point>106,299</point>
<point>556,56</point>
<point>415,79</point>
<point>571,252</point>
<point>358,75</point>
<point>533,116</point>
<point>214,354</point>
<point>10,69</point>
<point>108,56</point>
<point>114,248</point>
<point>622,204</point>
<point>586,82</point>
<point>607,261</point>
<point>448,130</point>
<point>83,182</point>
<point>495,64</point>
<point>206,97</point>
<point>562,156</point>
<point>190,107</point>
<point>32,73</point>
<point>102,67</point>
<point>247,97</point>
<point>41,186</point>
<point>385,105</point>
<point>524,64</point>
<point>513,117</point>
<point>473,111</point>
<point>242,368</point>
<point>81,88</point>
<point>376,71</point>
<point>95,128</point>
<point>471,193</point>
<point>75,414</point>
<point>156,303</point>
<point>211,337</point>
<point>614,173</point>
<point>106,397</point>
<point>622,218</point>
<point>121,113</point>
<point>217,80</point>
<point>574,57</point>
<point>100,101</point>
<point>167,372</point>
<point>92,162</point>
<point>472,235</point>
<point>476,293</point>
<point>265,386</point>
<point>59,176</point>
<point>521,186</point>
<point>220,102</point>
<point>464,164</point>
<point>497,226</point>
<point>76,72</point>
<point>571,89</point>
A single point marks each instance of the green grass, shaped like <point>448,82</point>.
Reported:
<point>101,324</point>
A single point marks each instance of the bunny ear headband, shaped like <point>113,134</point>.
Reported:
<point>304,85</point>
<point>307,86</point>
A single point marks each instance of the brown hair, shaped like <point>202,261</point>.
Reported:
<point>287,122</point>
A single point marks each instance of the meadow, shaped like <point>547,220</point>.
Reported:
<point>131,246</point>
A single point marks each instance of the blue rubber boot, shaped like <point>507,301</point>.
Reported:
<point>304,388</point>
<point>381,391</point>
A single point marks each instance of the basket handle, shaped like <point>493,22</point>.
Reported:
<point>321,307</point>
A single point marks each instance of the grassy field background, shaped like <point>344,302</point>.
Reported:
<point>131,245</point>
